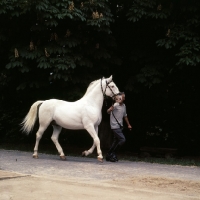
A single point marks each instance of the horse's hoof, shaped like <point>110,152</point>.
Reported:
<point>35,156</point>
<point>83,154</point>
<point>100,159</point>
<point>63,157</point>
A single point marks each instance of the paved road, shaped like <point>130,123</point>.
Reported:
<point>89,168</point>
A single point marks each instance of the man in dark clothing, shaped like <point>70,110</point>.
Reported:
<point>117,114</point>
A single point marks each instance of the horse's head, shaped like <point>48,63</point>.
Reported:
<point>109,88</point>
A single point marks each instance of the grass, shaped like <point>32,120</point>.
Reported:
<point>129,156</point>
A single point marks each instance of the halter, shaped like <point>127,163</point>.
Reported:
<point>107,85</point>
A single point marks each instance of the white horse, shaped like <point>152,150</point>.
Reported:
<point>82,114</point>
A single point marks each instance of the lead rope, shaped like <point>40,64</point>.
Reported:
<point>117,120</point>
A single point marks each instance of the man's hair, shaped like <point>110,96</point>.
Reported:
<point>121,93</point>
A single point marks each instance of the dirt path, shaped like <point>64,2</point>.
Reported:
<point>22,177</point>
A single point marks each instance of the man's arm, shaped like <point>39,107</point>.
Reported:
<point>127,121</point>
<point>110,109</point>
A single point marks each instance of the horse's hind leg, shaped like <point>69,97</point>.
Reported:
<point>38,137</point>
<point>54,137</point>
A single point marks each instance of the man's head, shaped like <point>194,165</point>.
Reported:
<point>120,97</point>
<point>123,95</point>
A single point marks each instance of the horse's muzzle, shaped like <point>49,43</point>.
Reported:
<point>115,95</point>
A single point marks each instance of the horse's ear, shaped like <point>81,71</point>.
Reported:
<point>109,79</point>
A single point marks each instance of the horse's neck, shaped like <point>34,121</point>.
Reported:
<point>95,96</point>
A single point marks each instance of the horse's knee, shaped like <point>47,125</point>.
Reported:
<point>53,138</point>
<point>38,135</point>
<point>96,141</point>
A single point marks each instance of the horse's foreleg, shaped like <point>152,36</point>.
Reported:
<point>95,137</point>
<point>54,137</point>
<point>87,152</point>
<point>38,137</point>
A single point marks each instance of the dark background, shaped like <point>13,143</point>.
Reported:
<point>150,47</point>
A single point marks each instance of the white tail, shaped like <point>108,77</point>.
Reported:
<point>29,120</point>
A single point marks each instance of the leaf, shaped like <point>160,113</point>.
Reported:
<point>21,86</point>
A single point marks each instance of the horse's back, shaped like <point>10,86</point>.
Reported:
<point>64,113</point>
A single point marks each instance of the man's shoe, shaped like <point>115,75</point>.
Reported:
<point>116,158</point>
<point>113,158</point>
<point>108,157</point>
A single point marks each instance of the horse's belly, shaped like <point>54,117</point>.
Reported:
<point>72,126</point>
<point>71,116</point>
<point>68,120</point>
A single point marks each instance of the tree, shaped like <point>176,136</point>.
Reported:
<point>177,25</point>
<point>55,42</point>
<point>168,63</point>
<point>54,49</point>
<point>51,49</point>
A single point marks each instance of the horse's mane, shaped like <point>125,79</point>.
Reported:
<point>91,86</point>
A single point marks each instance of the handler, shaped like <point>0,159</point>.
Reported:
<point>117,114</point>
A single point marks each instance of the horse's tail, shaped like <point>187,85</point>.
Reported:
<point>29,120</point>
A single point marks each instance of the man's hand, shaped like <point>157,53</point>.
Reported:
<point>127,122</point>
<point>130,127</point>
<point>110,109</point>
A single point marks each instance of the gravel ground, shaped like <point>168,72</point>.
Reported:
<point>49,178</point>
<point>89,168</point>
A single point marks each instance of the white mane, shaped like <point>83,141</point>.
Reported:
<point>91,86</point>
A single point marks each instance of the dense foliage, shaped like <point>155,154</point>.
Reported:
<point>54,49</point>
